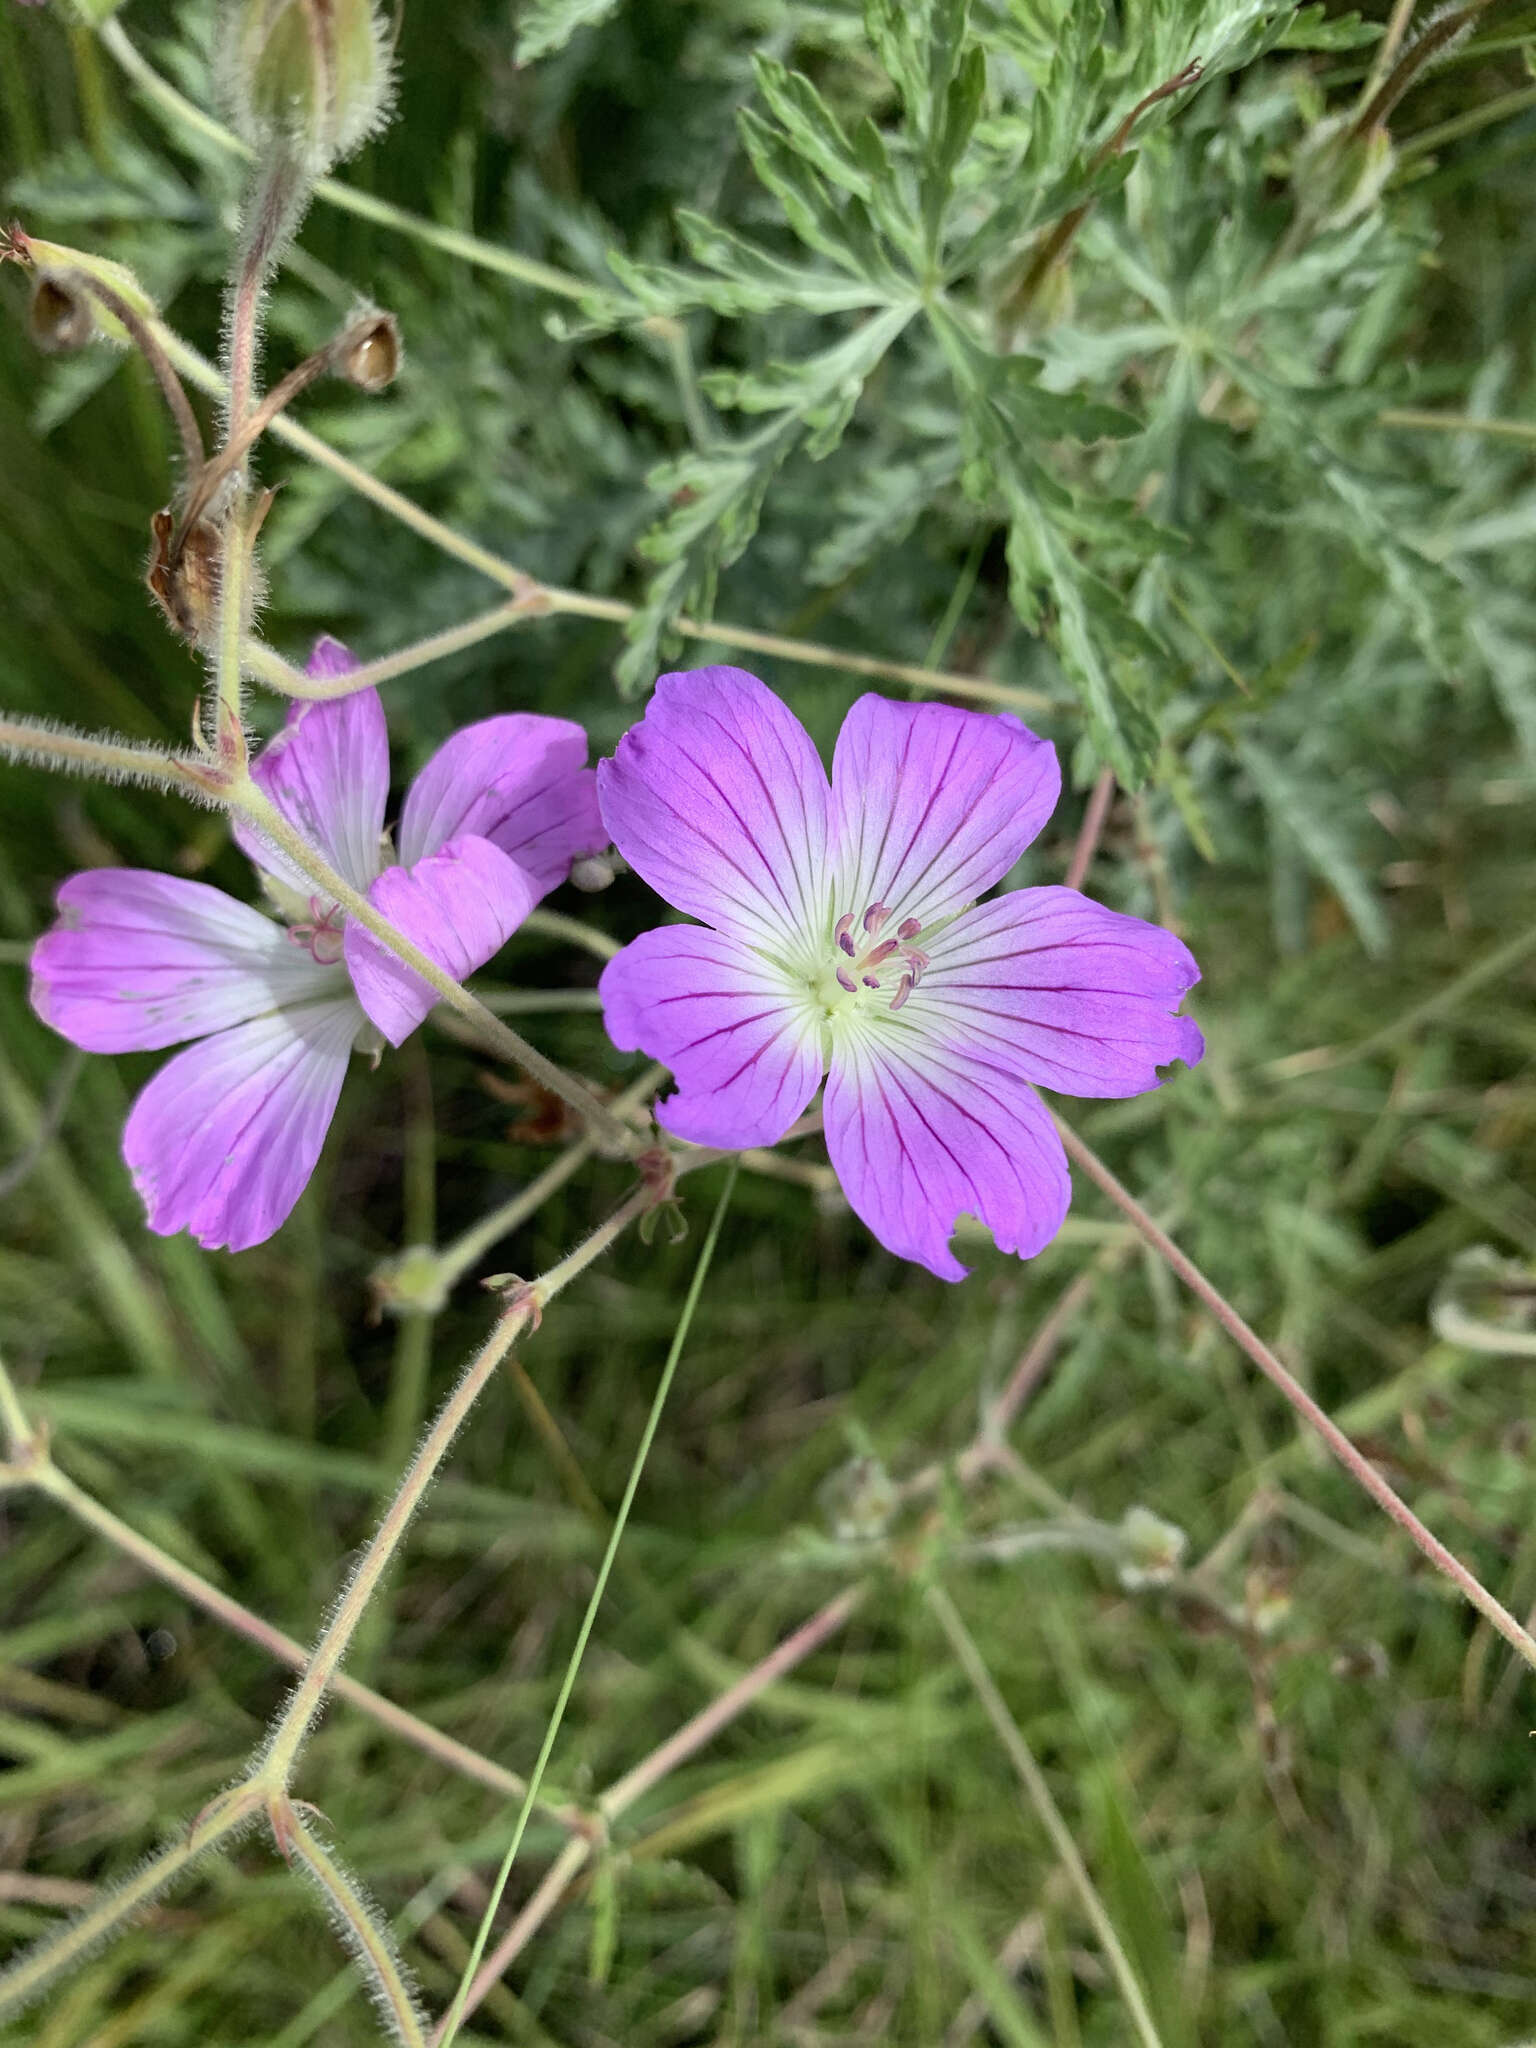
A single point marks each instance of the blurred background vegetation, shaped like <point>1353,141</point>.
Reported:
<point>1300,616</point>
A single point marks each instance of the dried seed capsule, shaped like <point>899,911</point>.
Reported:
<point>59,318</point>
<point>368,352</point>
<point>185,583</point>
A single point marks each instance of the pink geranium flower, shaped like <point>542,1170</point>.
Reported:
<point>841,936</point>
<point>223,1140</point>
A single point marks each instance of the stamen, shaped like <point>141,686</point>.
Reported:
<point>871,981</point>
<point>881,952</point>
<point>874,917</point>
<point>843,928</point>
<point>847,980</point>
<point>908,928</point>
<point>902,992</point>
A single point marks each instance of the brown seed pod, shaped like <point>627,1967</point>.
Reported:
<point>186,585</point>
<point>368,353</point>
<point>59,318</point>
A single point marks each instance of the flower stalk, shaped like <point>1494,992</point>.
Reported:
<point>524,1309</point>
<point>245,799</point>
<point>216,1826</point>
<point>1354,1461</point>
<point>361,1927</point>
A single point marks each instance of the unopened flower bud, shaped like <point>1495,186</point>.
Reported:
<point>1151,1550</point>
<point>59,317</point>
<point>412,1283</point>
<point>593,872</point>
<point>859,1500</point>
<point>1338,174</point>
<point>313,74</point>
<point>368,352</point>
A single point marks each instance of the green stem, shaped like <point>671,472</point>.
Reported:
<point>444,2035</point>
<point>487,255</point>
<point>1460,422</point>
<point>268,666</point>
<point>363,1931</point>
<point>250,802</point>
<point>276,1764</point>
<point>31,1976</point>
<point>1048,1812</point>
<point>552,924</point>
<point>573,603</point>
<point>1501,109</point>
<point>455,1259</point>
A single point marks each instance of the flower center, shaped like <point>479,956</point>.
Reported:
<point>322,937</point>
<point>867,963</point>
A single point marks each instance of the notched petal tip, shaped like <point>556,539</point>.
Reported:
<point>330,659</point>
<point>718,799</point>
<point>921,1134</point>
<point>1064,993</point>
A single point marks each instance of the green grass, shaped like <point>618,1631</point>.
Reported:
<point>1299,1774</point>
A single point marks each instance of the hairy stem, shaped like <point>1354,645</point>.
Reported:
<point>455,1259</point>
<point>278,1758</point>
<point>303,1705</point>
<point>106,759</point>
<point>443,2038</point>
<point>269,667</point>
<point>149,346</point>
<point>27,1979</point>
<point>550,598</point>
<point>363,1930</point>
<point>1354,1462</point>
<point>31,1465</point>
<point>246,799</point>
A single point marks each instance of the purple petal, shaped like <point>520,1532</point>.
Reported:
<point>459,906</point>
<point>139,960</point>
<point>920,1135</point>
<point>737,1034</point>
<point>225,1137</point>
<point>718,799</point>
<point>327,771</point>
<point>522,782</point>
<point>931,806</point>
<point>329,660</point>
<point>1064,993</point>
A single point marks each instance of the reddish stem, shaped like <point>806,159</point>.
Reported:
<point>1354,1462</point>
<point>1093,826</point>
<point>649,1772</point>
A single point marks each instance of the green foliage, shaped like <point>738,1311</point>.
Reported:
<point>806,373</point>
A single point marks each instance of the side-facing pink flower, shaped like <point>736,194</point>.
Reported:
<point>223,1140</point>
<point>841,934</point>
